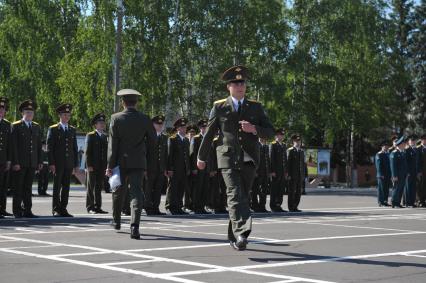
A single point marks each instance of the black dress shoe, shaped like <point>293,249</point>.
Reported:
<point>295,210</point>
<point>125,213</point>
<point>5,213</point>
<point>91,211</point>
<point>65,213</point>
<point>1,216</point>
<point>115,225</point>
<point>100,211</point>
<point>158,212</point>
<point>278,209</point>
<point>56,214</point>
<point>134,233</point>
<point>29,215</point>
<point>17,215</point>
<point>397,206</point>
<point>240,244</point>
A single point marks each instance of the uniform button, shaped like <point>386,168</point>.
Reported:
<point>239,130</point>
<point>240,138</point>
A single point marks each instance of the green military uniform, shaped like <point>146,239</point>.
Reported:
<point>200,178</point>
<point>421,187</point>
<point>5,156</point>
<point>238,156</point>
<point>179,164</point>
<point>63,154</point>
<point>296,174</point>
<point>130,133</point>
<point>26,152</point>
<point>96,157</point>
<point>278,159</point>
<point>261,182</point>
<point>156,180</point>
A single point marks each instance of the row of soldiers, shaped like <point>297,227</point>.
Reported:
<point>172,165</point>
<point>403,167</point>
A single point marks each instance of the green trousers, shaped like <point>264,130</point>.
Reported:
<point>238,186</point>
<point>131,180</point>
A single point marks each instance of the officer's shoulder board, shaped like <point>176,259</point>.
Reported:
<point>220,101</point>
<point>7,121</point>
<point>290,148</point>
<point>54,126</point>
<point>274,142</point>
<point>91,133</point>
<point>35,123</point>
<point>17,122</point>
<point>216,138</point>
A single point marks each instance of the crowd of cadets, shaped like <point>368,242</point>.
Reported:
<point>403,167</point>
<point>172,167</point>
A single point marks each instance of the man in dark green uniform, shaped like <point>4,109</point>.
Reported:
<point>179,168</point>
<point>412,156</point>
<point>96,163</point>
<point>5,155</point>
<point>261,182</point>
<point>241,122</point>
<point>278,157</point>
<point>130,133</point>
<point>296,173</point>
<point>421,187</point>
<point>63,159</point>
<point>43,173</point>
<point>157,169</point>
<point>399,172</point>
<point>26,158</point>
<point>383,174</point>
<point>200,178</point>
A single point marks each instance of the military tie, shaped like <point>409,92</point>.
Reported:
<point>239,108</point>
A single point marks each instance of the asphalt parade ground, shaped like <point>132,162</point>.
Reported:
<point>341,236</point>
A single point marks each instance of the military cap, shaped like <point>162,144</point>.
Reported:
<point>181,122</point>
<point>296,137</point>
<point>384,142</point>
<point>128,91</point>
<point>400,140</point>
<point>100,117</point>
<point>202,123</point>
<point>64,108</point>
<point>280,131</point>
<point>159,119</point>
<point>27,105</point>
<point>235,74</point>
<point>423,137</point>
<point>191,129</point>
<point>413,137</point>
<point>4,102</point>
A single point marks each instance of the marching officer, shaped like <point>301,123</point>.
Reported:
<point>131,136</point>
<point>421,187</point>
<point>157,169</point>
<point>241,122</point>
<point>413,172</point>
<point>5,155</point>
<point>179,169</point>
<point>201,178</point>
<point>96,162</point>
<point>278,159</point>
<point>260,188</point>
<point>43,173</point>
<point>63,159</point>
<point>383,175</point>
<point>296,173</point>
<point>399,172</point>
<point>26,158</point>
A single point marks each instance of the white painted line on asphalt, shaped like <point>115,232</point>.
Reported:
<point>331,259</point>
<point>5,241</point>
<point>146,274</point>
<point>100,266</point>
<point>79,254</point>
<point>30,247</point>
<point>361,227</point>
<point>277,241</point>
<point>130,262</point>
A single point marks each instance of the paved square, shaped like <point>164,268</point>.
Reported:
<point>341,236</point>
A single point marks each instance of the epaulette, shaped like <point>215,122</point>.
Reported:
<point>220,101</point>
<point>216,138</point>
<point>35,123</point>
<point>54,125</point>
<point>7,121</point>
<point>291,148</point>
<point>17,122</point>
<point>395,150</point>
